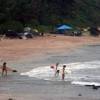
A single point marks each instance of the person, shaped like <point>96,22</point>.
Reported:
<point>42,34</point>
<point>56,69</point>
<point>4,69</point>
<point>63,72</point>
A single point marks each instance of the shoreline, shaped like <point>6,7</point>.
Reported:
<point>15,49</point>
<point>25,88</point>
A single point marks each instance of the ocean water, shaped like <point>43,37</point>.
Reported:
<point>80,73</point>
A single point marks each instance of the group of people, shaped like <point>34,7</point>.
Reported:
<point>57,71</point>
<point>4,69</point>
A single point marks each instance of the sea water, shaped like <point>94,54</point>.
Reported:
<point>80,73</point>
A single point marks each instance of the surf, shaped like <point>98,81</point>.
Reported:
<point>80,73</point>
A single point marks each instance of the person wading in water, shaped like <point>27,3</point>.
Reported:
<point>63,72</point>
<point>56,69</point>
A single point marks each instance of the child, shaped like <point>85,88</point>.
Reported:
<point>63,72</point>
<point>56,69</point>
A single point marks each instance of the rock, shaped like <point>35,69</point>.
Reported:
<point>10,99</point>
<point>95,87</point>
<point>79,94</point>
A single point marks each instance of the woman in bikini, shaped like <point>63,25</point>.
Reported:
<point>4,69</point>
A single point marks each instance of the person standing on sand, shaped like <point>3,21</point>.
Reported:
<point>4,69</point>
<point>63,72</point>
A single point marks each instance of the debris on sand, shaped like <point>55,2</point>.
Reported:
<point>10,99</point>
<point>95,87</point>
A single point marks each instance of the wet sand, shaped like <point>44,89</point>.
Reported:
<point>16,52</point>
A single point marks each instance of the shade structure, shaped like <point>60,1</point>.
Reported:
<point>64,27</point>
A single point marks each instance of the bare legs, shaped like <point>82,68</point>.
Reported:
<point>4,72</point>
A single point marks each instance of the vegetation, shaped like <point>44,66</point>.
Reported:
<point>42,13</point>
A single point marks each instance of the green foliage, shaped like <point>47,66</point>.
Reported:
<point>50,12</point>
<point>43,28</point>
<point>87,12</point>
<point>11,25</point>
<point>33,23</point>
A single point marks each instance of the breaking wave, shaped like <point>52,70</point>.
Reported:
<point>79,73</point>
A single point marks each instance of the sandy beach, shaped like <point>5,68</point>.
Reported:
<point>25,55</point>
<point>11,49</point>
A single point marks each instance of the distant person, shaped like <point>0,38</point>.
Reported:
<point>4,69</point>
<point>42,34</point>
<point>63,72</point>
<point>57,73</point>
<point>56,69</point>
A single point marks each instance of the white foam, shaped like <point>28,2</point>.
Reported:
<point>85,83</point>
<point>83,65</point>
<point>47,73</point>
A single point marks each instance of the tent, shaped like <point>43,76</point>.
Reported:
<point>64,27</point>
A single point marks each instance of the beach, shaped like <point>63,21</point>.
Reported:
<point>25,55</point>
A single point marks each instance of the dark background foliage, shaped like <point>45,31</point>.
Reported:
<point>50,12</point>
